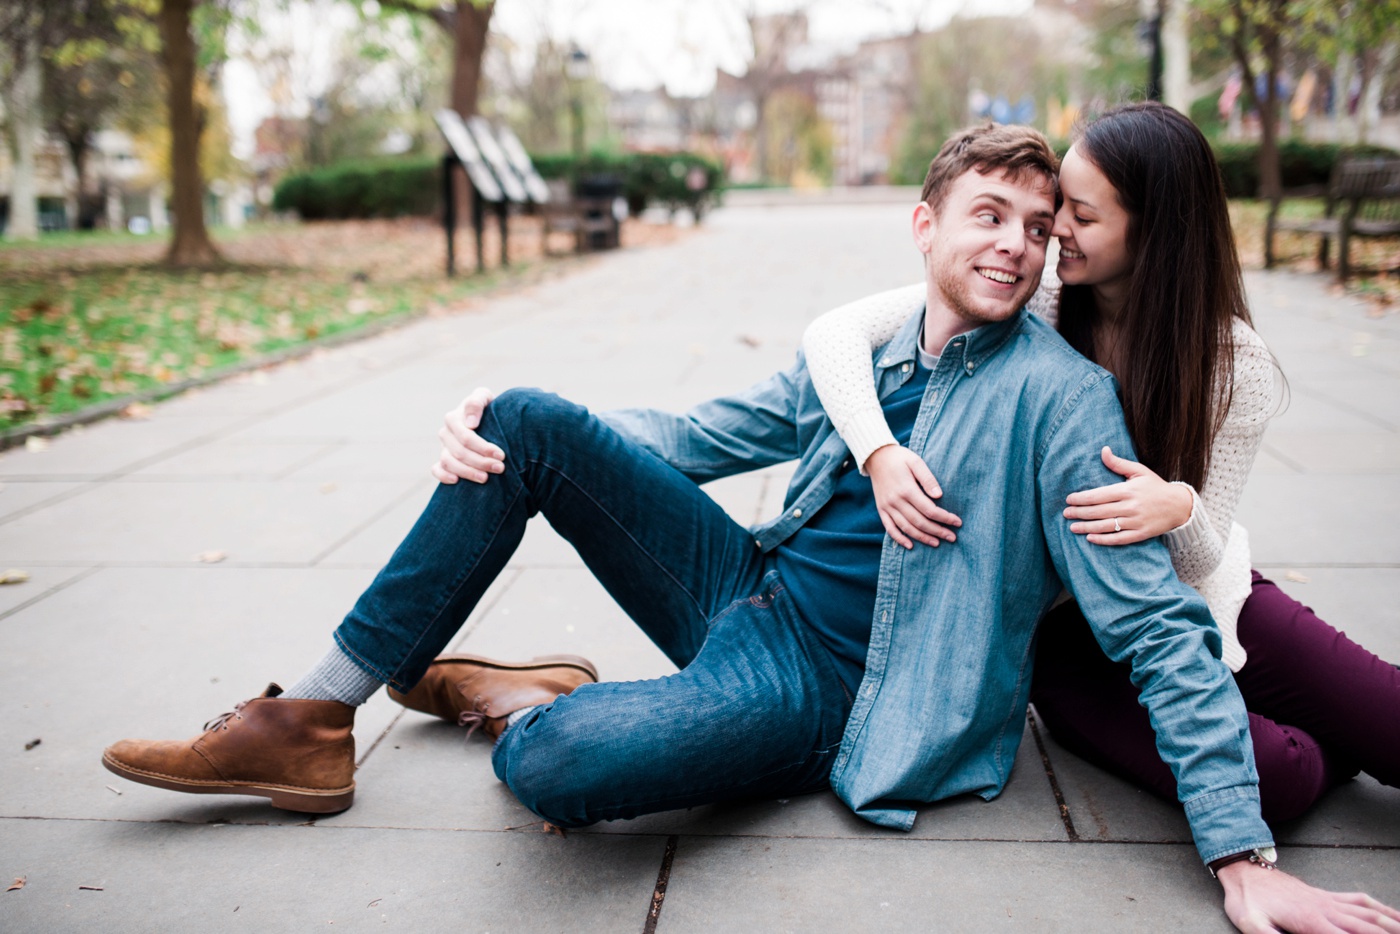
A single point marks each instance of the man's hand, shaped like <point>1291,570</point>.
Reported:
<point>465,453</point>
<point>905,490</point>
<point>1266,901</point>
<point>1142,506</point>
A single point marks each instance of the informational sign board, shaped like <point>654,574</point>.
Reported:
<point>455,132</point>
<point>520,161</point>
<point>491,152</point>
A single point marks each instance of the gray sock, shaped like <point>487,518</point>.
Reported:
<point>335,677</point>
<point>513,718</point>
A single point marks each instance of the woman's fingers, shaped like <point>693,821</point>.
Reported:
<point>1116,510</point>
<point>891,524</point>
<point>1098,495</point>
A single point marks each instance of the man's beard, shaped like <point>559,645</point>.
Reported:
<point>956,294</point>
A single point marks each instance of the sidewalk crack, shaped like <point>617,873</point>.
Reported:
<point>662,879</point>
<point>1050,774</point>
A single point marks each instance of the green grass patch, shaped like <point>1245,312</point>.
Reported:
<point>73,337</point>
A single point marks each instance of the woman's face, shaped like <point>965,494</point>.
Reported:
<point>1092,227</point>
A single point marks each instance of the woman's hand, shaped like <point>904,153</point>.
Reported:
<point>904,493</point>
<point>1142,506</point>
<point>465,453</point>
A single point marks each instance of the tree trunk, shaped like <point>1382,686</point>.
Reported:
<point>1270,180</point>
<point>190,244</point>
<point>469,44</point>
<point>1176,57</point>
<point>470,27</point>
<point>24,130</point>
<point>77,142</point>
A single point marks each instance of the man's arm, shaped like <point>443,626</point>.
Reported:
<point>750,429</point>
<point>1142,614</point>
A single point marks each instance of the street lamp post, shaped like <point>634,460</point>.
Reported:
<point>1150,31</point>
<point>577,69</point>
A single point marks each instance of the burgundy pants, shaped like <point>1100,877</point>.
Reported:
<point>1321,708</point>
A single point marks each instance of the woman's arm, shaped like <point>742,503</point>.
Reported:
<point>1194,524</point>
<point>1198,546</point>
<point>838,346</point>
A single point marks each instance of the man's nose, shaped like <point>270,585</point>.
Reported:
<point>1012,241</point>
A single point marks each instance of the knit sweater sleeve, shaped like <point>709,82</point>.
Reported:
<point>1198,546</point>
<point>838,346</point>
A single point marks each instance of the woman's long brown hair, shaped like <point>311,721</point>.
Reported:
<point>1185,292</point>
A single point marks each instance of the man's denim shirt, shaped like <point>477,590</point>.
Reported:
<point>1012,421</point>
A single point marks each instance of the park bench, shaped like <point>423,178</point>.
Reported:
<point>590,213</point>
<point>1363,200</point>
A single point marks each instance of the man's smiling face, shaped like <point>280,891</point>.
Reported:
<point>984,248</point>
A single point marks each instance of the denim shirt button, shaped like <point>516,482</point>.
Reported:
<point>904,368</point>
<point>797,514</point>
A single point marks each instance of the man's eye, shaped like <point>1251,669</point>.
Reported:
<point>1039,231</point>
<point>989,217</point>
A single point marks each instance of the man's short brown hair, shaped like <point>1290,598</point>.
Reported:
<point>1014,150</point>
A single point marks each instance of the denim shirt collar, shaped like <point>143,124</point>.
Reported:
<point>968,350</point>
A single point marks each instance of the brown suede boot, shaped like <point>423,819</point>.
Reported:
<point>479,693</point>
<point>298,753</point>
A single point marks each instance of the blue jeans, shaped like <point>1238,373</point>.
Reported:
<point>757,709</point>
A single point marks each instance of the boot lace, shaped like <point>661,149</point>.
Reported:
<point>222,719</point>
<point>473,720</point>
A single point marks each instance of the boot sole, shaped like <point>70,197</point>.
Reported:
<point>540,661</point>
<point>301,800</point>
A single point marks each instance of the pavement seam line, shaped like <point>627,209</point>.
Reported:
<point>61,585</point>
<point>663,878</point>
<point>345,539</point>
<point>1054,782</point>
<point>315,823</point>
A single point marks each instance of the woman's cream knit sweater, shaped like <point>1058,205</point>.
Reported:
<point>1210,552</point>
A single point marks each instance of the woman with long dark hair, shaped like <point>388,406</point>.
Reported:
<point>1152,291</point>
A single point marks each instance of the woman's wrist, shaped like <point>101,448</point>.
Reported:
<point>1184,508</point>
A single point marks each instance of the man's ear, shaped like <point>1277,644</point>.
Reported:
<point>925,226</point>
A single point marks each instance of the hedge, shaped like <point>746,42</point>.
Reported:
<point>1300,163</point>
<point>400,187</point>
<point>381,188</point>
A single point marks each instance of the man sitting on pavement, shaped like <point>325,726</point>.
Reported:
<point>813,652</point>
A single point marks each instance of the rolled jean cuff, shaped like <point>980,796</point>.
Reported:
<point>1226,822</point>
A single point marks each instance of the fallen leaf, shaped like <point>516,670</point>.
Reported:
<point>1297,578</point>
<point>135,412</point>
<point>748,340</point>
<point>36,443</point>
<point>211,557</point>
<point>552,828</point>
<point>375,902</point>
<point>17,884</point>
<point>113,790</point>
<point>91,888</point>
<point>31,744</point>
<point>14,576</point>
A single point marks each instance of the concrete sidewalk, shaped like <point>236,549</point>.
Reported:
<point>307,476</point>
